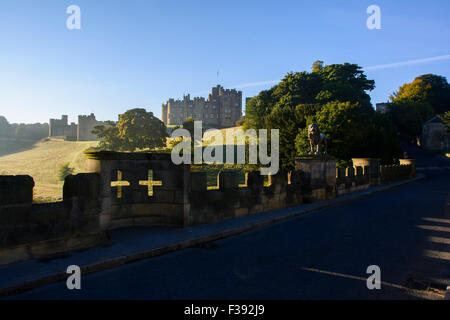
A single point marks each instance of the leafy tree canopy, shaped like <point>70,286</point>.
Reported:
<point>409,117</point>
<point>334,95</point>
<point>428,88</point>
<point>137,129</point>
<point>352,133</point>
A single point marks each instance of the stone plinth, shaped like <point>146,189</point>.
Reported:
<point>412,163</point>
<point>318,176</point>
<point>140,189</point>
<point>374,168</point>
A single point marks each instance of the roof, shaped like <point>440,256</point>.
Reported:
<point>435,119</point>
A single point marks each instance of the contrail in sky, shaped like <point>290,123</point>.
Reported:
<point>376,67</point>
<point>407,63</point>
<point>254,84</point>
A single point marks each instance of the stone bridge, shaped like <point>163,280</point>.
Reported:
<point>146,189</point>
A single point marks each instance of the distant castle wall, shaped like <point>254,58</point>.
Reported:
<point>222,108</point>
<point>61,128</point>
<point>74,132</point>
<point>85,126</point>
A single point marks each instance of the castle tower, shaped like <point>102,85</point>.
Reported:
<point>85,126</point>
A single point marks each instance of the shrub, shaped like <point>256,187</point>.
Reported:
<point>64,171</point>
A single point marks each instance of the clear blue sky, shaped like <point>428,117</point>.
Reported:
<point>139,53</point>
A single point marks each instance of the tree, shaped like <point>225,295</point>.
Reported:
<point>240,121</point>
<point>345,82</point>
<point>21,131</point>
<point>6,130</point>
<point>409,117</point>
<point>292,103</point>
<point>346,126</point>
<point>428,88</point>
<point>317,65</point>
<point>257,108</point>
<point>109,134</point>
<point>383,139</point>
<point>137,129</point>
<point>189,125</point>
<point>282,118</point>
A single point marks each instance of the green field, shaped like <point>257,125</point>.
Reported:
<point>42,160</point>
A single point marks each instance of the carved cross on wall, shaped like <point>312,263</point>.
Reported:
<point>119,184</point>
<point>150,183</point>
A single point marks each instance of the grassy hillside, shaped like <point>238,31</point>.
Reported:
<point>224,134</point>
<point>42,161</point>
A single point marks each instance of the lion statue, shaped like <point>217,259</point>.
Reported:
<point>316,139</point>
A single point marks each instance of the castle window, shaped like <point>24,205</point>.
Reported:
<point>217,116</point>
<point>206,116</point>
<point>212,116</point>
<point>214,107</point>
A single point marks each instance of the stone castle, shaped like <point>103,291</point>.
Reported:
<point>221,110</point>
<point>74,132</point>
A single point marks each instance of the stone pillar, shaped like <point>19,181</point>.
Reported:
<point>412,163</point>
<point>136,198</point>
<point>16,197</point>
<point>374,169</point>
<point>318,176</point>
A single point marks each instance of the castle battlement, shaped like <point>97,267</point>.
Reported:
<point>221,109</point>
<point>74,132</point>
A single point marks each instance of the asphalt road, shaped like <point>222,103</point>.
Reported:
<point>321,255</point>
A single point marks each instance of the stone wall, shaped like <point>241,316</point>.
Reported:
<point>62,128</point>
<point>147,189</point>
<point>352,179</point>
<point>74,132</point>
<point>231,200</point>
<point>41,230</point>
<point>393,173</point>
